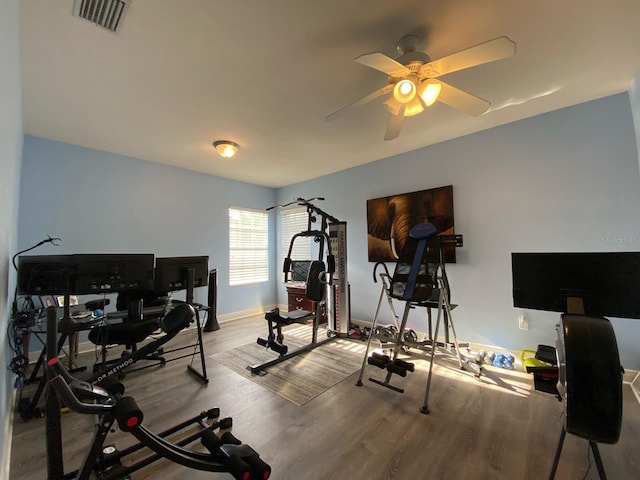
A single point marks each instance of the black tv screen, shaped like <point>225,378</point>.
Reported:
<point>299,270</point>
<point>43,274</point>
<point>112,272</point>
<point>171,272</point>
<point>607,282</point>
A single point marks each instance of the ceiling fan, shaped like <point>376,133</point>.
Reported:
<point>412,79</point>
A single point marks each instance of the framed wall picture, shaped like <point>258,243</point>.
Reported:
<point>389,220</point>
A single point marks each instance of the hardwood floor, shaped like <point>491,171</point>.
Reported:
<point>495,428</point>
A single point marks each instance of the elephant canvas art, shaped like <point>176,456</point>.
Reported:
<point>389,220</point>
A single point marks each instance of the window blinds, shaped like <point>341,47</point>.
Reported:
<point>248,246</point>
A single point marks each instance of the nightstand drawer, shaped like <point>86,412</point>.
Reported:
<point>299,301</point>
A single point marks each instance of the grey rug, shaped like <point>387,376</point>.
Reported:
<point>303,377</point>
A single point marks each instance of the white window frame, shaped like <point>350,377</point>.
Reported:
<point>248,246</point>
<point>293,221</point>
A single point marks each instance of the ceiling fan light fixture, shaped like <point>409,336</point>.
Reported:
<point>404,91</point>
<point>412,79</point>
<point>430,91</point>
<point>225,148</point>
<point>414,107</point>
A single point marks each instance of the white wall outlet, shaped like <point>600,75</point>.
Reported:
<point>523,323</point>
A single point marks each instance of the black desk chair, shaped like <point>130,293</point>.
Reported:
<point>134,328</point>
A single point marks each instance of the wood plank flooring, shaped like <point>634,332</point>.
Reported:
<point>495,428</point>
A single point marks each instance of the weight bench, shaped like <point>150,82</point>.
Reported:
<point>276,321</point>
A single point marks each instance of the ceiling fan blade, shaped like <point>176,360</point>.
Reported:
<point>496,49</point>
<point>456,98</point>
<point>362,101</point>
<point>393,106</point>
<point>381,62</point>
<point>395,125</point>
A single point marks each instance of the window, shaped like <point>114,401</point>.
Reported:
<point>248,246</point>
<point>294,221</point>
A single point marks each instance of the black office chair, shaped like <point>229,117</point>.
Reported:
<point>134,328</point>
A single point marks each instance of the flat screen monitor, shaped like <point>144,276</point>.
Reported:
<point>112,272</point>
<point>299,270</point>
<point>607,282</point>
<point>172,272</point>
<point>43,274</point>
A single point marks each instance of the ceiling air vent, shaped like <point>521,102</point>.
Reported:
<point>104,13</point>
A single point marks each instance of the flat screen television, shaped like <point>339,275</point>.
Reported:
<point>112,272</point>
<point>43,274</point>
<point>299,270</point>
<point>607,282</point>
<point>171,272</point>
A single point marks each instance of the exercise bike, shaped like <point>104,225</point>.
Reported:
<point>225,453</point>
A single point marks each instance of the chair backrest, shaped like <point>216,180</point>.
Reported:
<point>149,298</point>
<point>134,301</point>
<point>179,317</point>
<point>123,333</point>
<point>413,278</point>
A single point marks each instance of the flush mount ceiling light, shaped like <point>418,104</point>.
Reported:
<point>225,148</point>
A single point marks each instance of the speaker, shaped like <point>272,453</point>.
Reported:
<point>212,300</point>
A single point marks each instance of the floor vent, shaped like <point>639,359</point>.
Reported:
<point>104,13</point>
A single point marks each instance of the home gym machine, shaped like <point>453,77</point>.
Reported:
<point>420,280</point>
<point>326,285</point>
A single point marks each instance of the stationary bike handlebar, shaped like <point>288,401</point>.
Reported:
<point>61,381</point>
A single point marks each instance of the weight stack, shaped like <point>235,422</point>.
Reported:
<point>212,300</point>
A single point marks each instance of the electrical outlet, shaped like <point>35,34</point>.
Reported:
<point>523,323</point>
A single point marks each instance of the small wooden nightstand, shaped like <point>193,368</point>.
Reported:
<point>298,300</point>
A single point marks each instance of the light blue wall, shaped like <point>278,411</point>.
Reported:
<point>634,96</point>
<point>564,181</point>
<point>10,157</point>
<point>98,202</point>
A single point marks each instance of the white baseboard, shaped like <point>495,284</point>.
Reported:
<point>632,377</point>
<point>635,385</point>
<point>5,457</point>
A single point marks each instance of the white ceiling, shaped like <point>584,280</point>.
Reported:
<point>180,74</point>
